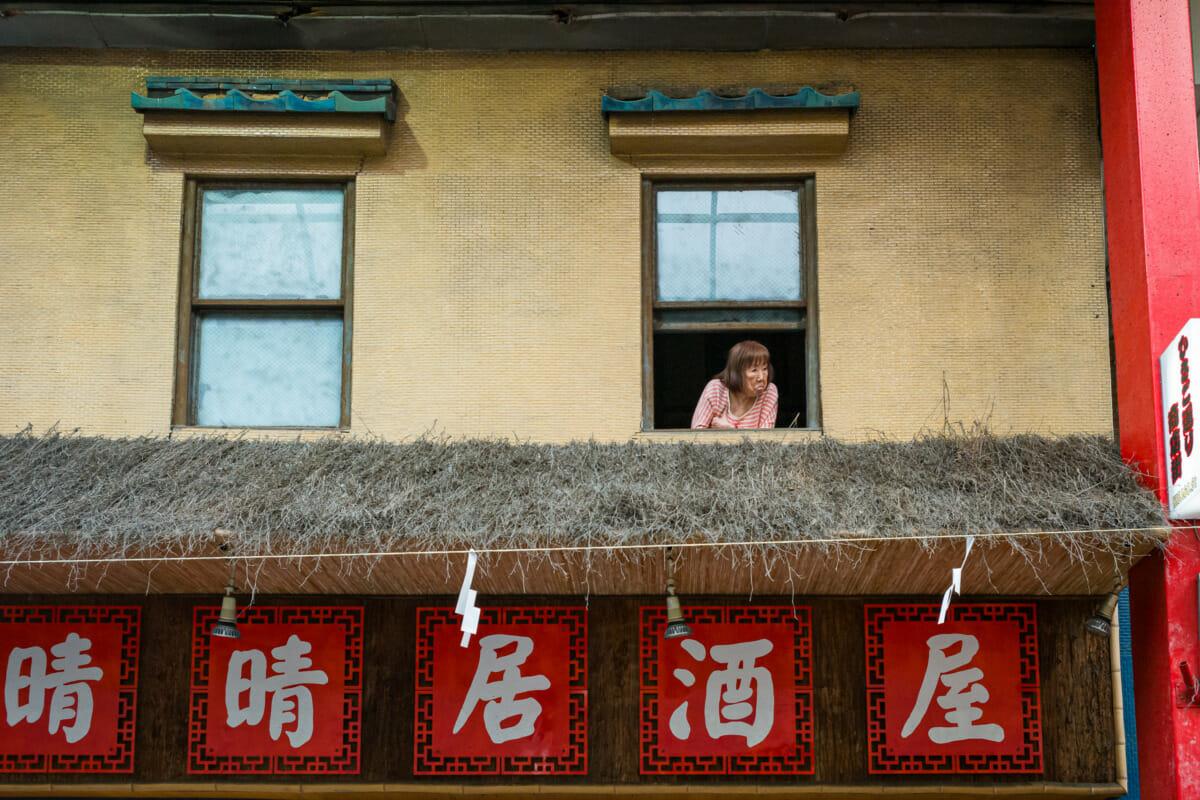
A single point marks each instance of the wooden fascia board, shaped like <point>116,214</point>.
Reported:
<point>188,132</point>
<point>766,132</point>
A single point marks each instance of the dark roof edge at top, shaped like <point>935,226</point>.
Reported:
<point>487,26</point>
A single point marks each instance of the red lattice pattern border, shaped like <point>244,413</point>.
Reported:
<point>345,761</point>
<point>426,762</point>
<point>120,760</point>
<point>883,760</point>
<point>798,762</point>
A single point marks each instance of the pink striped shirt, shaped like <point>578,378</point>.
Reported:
<point>714,402</point>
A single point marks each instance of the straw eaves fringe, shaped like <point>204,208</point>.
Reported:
<point>84,496</point>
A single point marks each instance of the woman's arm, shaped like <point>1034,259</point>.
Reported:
<point>709,406</point>
<point>770,407</point>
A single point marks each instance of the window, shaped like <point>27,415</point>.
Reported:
<point>264,305</point>
<point>724,263</point>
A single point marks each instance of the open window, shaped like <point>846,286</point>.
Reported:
<point>264,305</point>
<point>726,262</point>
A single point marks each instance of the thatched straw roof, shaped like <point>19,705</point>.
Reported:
<point>428,493</point>
<point>117,496</point>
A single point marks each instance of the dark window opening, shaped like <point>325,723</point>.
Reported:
<point>685,362</point>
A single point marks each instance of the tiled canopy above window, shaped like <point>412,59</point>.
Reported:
<point>267,117</point>
<point>805,123</point>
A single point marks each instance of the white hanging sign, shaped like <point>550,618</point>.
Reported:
<point>955,582</point>
<point>466,607</point>
<point>1179,418</point>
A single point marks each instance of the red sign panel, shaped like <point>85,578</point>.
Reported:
<point>513,701</point>
<point>285,698</point>
<point>958,697</point>
<point>70,688</point>
<point>735,697</point>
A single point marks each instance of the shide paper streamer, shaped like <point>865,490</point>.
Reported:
<point>466,607</point>
<point>955,582</point>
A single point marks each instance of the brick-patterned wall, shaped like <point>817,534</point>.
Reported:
<point>497,265</point>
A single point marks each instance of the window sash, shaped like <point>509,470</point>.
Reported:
<point>710,272</point>
<point>281,242</point>
<point>267,370</point>
<point>193,308</point>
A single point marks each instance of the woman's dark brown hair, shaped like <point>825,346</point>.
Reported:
<point>742,356</point>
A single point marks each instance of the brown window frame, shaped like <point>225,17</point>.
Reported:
<point>192,307</point>
<point>805,186</point>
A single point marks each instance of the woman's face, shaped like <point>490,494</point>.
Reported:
<point>755,378</point>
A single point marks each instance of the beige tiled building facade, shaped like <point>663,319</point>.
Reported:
<point>497,245</point>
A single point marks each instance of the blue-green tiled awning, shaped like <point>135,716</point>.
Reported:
<point>370,96</point>
<point>755,99</point>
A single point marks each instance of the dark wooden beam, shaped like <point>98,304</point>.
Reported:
<point>483,25</point>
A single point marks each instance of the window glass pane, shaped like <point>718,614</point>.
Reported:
<point>276,370</point>
<point>682,246</point>
<point>271,243</point>
<point>758,261</point>
<point>737,245</point>
<point>760,201</point>
<point>671,201</point>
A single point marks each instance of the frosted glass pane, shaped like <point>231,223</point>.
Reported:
<point>260,371</point>
<point>728,245</point>
<point>671,202</point>
<point>683,256</point>
<point>759,201</point>
<point>271,243</point>
<point>758,261</point>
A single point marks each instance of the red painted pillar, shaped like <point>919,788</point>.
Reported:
<point>1152,194</point>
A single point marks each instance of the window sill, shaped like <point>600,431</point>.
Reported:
<point>266,434</point>
<point>782,435</point>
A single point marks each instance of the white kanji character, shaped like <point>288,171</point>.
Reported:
<point>500,696</point>
<point>71,699</point>
<point>728,692</point>
<point>726,696</point>
<point>291,700</point>
<point>964,691</point>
